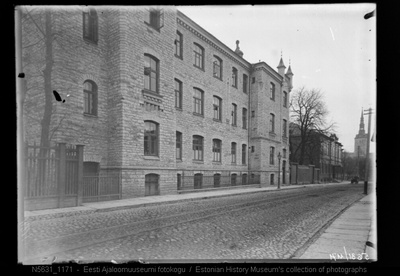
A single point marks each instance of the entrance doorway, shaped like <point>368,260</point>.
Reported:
<point>284,172</point>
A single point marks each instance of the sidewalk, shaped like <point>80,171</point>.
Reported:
<point>103,206</point>
<point>351,237</point>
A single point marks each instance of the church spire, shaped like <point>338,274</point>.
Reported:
<point>362,130</point>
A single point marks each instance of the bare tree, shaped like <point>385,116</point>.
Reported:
<point>309,114</point>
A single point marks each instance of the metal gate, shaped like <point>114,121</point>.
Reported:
<point>103,186</point>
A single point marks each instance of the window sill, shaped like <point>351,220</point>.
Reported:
<point>216,162</point>
<point>273,134</point>
<point>91,41</point>
<point>198,161</point>
<point>90,115</point>
<point>150,157</point>
<point>179,161</point>
<point>179,57</point>
<point>217,120</point>
<point>152,93</point>
<point>234,87</point>
<point>198,115</point>
<point>178,108</point>
<point>152,27</point>
<point>218,78</point>
<point>202,69</point>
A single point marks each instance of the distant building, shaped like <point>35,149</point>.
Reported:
<point>322,151</point>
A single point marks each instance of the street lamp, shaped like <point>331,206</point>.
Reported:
<point>279,170</point>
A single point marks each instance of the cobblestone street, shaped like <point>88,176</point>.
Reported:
<point>273,225</point>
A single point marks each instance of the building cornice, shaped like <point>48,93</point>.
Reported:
<point>211,40</point>
<point>267,69</point>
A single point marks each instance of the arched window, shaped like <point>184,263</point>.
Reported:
<point>198,181</point>
<point>244,179</point>
<point>178,145</point>
<point>233,152</point>
<point>244,150</point>
<point>285,99</point>
<point>90,26</point>
<point>234,77</point>
<point>233,179</point>
<point>217,107</point>
<point>151,73</point>
<point>217,67</point>
<point>272,122</point>
<point>244,118</point>
<point>272,91</point>
<point>198,101</point>
<point>152,186</point>
<point>217,180</point>
<point>198,56</point>
<point>234,114</point>
<point>90,97</point>
<point>151,138</point>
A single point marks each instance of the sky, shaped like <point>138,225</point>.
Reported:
<point>331,47</point>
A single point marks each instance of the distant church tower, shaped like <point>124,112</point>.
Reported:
<point>360,141</point>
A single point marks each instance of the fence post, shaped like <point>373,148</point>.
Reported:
<point>79,149</point>
<point>62,174</point>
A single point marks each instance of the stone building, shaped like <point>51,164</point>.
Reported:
<point>154,96</point>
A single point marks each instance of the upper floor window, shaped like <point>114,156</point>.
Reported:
<point>179,45</point>
<point>217,67</point>
<point>284,153</point>
<point>216,150</point>
<point>244,150</point>
<point>90,25</point>
<point>197,147</point>
<point>151,138</point>
<point>198,99</point>
<point>234,77</point>
<point>271,155</point>
<point>155,18</point>
<point>244,118</point>
<point>198,56</point>
<point>284,130</point>
<point>217,106</point>
<point>233,152</point>
<point>272,91</point>
<point>178,145</point>
<point>272,122</point>
<point>285,99</point>
<point>90,97</point>
<point>245,83</point>
<point>151,73</point>
<point>178,93</point>
<point>234,114</point>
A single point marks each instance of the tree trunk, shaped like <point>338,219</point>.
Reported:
<point>48,109</point>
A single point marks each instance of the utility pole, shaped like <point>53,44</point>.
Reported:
<point>368,112</point>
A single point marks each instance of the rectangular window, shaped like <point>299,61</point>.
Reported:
<point>253,80</point>
<point>284,153</point>
<point>272,123</point>
<point>234,114</point>
<point>217,180</point>
<point>233,152</point>
<point>178,145</point>
<point>216,150</point>
<point>155,18</point>
<point>90,25</point>
<point>272,91</point>
<point>179,181</point>
<point>271,155</point>
<point>233,179</point>
<point>217,67</point>
<point>284,131</point>
<point>285,99</point>
<point>198,56</point>
<point>245,83</point>
<point>217,108</point>
<point>198,101</point>
<point>244,150</point>
<point>253,113</point>
<point>244,118</point>
<point>179,45</point>
<point>197,147</point>
<point>178,93</point>
<point>252,148</point>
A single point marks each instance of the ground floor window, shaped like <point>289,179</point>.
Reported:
<point>152,184</point>
<point>198,180</point>
<point>217,180</point>
<point>233,179</point>
<point>179,181</point>
<point>244,179</point>
<point>272,180</point>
